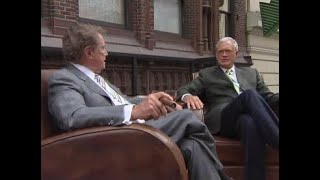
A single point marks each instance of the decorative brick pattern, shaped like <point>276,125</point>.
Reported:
<point>45,8</point>
<point>169,74</point>
<point>190,19</point>
<point>64,13</point>
<point>143,22</point>
<point>239,24</point>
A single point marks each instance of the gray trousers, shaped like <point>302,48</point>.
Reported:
<point>195,142</point>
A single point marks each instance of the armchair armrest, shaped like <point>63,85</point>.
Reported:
<point>137,151</point>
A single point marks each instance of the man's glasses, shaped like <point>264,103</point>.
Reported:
<point>227,51</point>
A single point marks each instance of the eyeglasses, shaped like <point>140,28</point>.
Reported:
<point>227,51</point>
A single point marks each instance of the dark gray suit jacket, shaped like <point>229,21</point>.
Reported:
<point>216,90</point>
<point>78,102</point>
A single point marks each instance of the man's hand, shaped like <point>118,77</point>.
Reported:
<point>152,107</point>
<point>170,105</point>
<point>193,102</point>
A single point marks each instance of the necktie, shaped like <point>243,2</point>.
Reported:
<point>100,81</point>
<point>230,75</point>
<point>116,97</point>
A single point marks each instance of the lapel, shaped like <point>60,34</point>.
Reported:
<point>221,75</point>
<point>87,81</point>
<point>241,74</point>
<point>112,86</point>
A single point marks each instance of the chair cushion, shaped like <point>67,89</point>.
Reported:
<point>47,127</point>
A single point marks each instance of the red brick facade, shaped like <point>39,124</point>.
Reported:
<point>239,25</point>
<point>142,22</point>
<point>63,13</point>
<point>189,51</point>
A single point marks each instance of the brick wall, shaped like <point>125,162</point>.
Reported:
<point>139,20</point>
<point>239,23</point>
<point>64,13</point>
<point>189,29</point>
<point>150,41</point>
<point>142,22</point>
<point>45,10</point>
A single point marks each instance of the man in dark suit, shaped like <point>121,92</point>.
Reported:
<point>78,97</point>
<point>238,105</point>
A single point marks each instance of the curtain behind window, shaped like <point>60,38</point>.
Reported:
<point>167,16</point>
<point>112,11</point>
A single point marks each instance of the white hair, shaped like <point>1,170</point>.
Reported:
<point>230,39</point>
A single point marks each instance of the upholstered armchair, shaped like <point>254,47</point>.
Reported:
<point>127,153</point>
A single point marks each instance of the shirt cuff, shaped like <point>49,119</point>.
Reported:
<point>185,95</point>
<point>127,110</point>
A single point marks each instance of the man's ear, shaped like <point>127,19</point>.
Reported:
<point>88,52</point>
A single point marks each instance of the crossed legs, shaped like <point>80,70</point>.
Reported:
<point>195,142</point>
<point>250,117</point>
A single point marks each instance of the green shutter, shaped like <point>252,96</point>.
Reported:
<point>270,17</point>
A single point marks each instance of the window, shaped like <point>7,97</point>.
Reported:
<point>112,11</point>
<point>224,21</point>
<point>167,16</point>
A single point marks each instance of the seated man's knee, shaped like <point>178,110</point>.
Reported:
<point>246,121</point>
<point>189,114</point>
<point>250,92</point>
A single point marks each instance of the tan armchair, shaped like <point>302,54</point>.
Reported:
<point>128,152</point>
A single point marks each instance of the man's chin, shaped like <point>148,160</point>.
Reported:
<point>226,66</point>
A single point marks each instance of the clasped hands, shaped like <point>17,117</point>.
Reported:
<point>154,106</point>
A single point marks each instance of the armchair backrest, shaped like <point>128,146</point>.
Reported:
<point>47,128</point>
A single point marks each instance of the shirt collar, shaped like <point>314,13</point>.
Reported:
<point>85,70</point>
<point>224,69</point>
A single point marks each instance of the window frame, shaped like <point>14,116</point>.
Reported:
<point>228,20</point>
<point>127,20</point>
<point>181,17</point>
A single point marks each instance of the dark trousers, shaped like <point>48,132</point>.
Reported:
<point>251,119</point>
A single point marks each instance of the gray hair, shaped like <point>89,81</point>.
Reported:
<point>77,38</point>
<point>230,39</point>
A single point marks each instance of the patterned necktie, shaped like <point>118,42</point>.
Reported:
<point>100,81</point>
<point>116,97</point>
<point>229,73</point>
